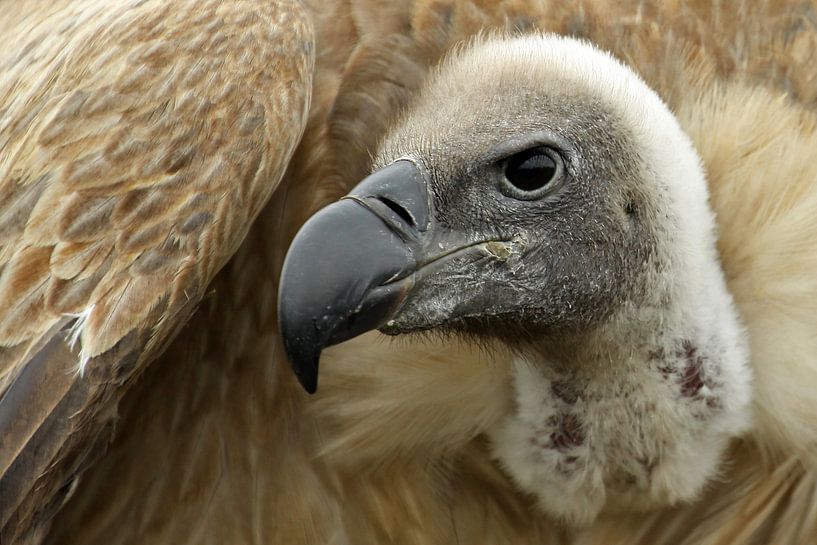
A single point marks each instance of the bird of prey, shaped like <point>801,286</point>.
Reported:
<point>588,228</point>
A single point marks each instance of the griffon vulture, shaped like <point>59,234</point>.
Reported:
<point>603,214</point>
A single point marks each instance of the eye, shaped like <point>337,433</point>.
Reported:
<point>531,174</point>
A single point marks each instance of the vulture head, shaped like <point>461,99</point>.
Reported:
<point>538,193</point>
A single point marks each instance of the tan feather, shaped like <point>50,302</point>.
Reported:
<point>138,144</point>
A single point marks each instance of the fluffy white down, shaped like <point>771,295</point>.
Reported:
<point>639,441</point>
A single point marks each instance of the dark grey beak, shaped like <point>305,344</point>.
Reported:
<point>349,267</point>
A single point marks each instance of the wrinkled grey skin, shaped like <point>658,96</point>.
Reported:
<point>573,256</point>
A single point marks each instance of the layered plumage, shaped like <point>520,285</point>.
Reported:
<point>213,441</point>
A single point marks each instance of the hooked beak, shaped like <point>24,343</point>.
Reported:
<point>351,265</point>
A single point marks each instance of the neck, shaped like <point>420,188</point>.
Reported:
<point>637,413</point>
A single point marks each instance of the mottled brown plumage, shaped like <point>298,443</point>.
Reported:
<point>136,152</point>
<point>150,184</point>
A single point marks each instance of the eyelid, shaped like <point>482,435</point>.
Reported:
<point>518,144</point>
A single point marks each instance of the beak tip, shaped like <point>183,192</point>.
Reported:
<point>306,371</point>
<point>309,381</point>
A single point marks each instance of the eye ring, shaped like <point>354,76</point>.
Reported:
<point>531,174</point>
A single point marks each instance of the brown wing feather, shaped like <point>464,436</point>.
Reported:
<point>137,144</point>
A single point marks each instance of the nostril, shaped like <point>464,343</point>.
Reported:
<point>401,195</point>
<point>400,210</point>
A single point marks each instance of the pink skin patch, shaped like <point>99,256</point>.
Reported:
<point>567,433</point>
<point>692,375</point>
<point>686,367</point>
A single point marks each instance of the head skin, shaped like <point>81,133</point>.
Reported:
<point>632,375</point>
<point>576,254</point>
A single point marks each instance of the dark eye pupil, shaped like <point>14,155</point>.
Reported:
<point>530,170</point>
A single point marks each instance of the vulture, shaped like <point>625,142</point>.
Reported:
<point>554,260</point>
